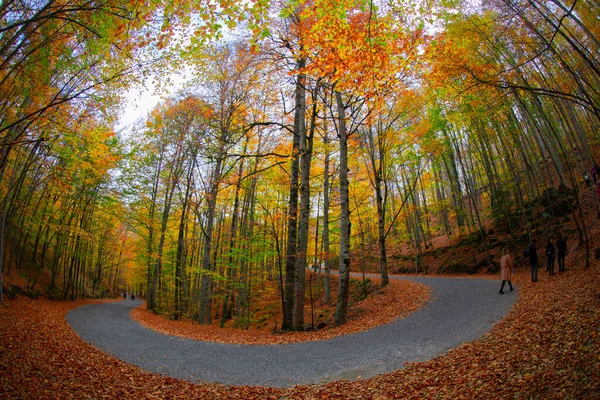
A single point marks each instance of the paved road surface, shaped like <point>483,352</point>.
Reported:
<point>460,310</point>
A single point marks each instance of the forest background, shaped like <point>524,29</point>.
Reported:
<point>354,135</point>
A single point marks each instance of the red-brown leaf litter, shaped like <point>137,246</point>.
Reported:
<point>548,346</point>
<point>396,300</point>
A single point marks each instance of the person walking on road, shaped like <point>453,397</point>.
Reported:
<point>533,261</point>
<point>506,270</point>
<point>550,255</point>
<point>561,246</point>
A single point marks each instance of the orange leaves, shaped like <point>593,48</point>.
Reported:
<point>544,348</point>
<point>353,46</point>
<point>547,347</point>
<point>396,300</point>
<point>42,358</point>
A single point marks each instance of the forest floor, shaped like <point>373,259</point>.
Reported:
<point>548,346</point>
<point>460,310</point>
<point>381,306</point>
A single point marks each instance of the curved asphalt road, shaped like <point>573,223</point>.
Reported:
<point>460,310</point>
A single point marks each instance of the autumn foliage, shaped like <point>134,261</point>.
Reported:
<point>396,300</point>
<point>308,132</point>
<point>546,347</point>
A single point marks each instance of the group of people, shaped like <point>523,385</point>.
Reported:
<point>552,251</point>
<point>595,177</point>
<point>125,296</point>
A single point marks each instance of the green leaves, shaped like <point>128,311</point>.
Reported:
<point>290,8</point>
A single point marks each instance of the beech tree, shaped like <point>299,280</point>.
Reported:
<point>488,113</point>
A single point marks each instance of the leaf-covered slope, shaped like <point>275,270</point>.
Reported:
<point>547,347</point>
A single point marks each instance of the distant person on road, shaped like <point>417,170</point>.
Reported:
<point>588,182</point>
<point>506,270</point>
<point>316,267</point>
<point>132,296</point>
<point>550,256</point>
<point>125,295</point>
<point>533,261</point>
<point>561,247</point>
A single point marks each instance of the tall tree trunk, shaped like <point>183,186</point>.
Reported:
<point>325,238</point>
<point>228,300</point>
<point>290,262</point>
<point>180,260</point>
<point>306,146</point>
<point>341,311</point>
<point>152,278</point>
<point>380,196</point>
<point>204,312</point>
<point>3,228</point>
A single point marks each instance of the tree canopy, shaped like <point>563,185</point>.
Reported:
<point>308,132</point>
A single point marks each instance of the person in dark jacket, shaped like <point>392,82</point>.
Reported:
<point>550,255</point>
<point>561,247</point>
<point>533,261</point>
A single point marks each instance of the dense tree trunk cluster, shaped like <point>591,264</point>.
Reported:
<point>221,192</point>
